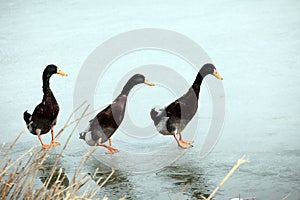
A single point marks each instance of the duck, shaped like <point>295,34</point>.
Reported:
<point>44,117</point>
<point>106,122</point>
<point>172,119</point>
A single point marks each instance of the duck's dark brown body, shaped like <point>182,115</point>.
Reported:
<point>106,122</point>
<point>177,115</point>
<point>45,114</point>
<point>172,119</point>
<point>181,111</point>
<point>43,118</point>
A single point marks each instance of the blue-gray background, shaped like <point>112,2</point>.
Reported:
<point>254,44</point>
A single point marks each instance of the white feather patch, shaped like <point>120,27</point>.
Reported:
<point>162,126</point>
<point>38,131</point>
<point>89,140</point>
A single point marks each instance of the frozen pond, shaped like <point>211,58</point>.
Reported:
<point>255,46</point>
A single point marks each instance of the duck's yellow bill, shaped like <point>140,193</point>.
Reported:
<point>215,73</point>
<point>61,72</point>
<point>148,83</point>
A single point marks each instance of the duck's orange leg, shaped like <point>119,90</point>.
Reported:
<point>181,144</point>
<point>111,150</point>
<point>52,137</point>
<point>44,146</point>
<point>184,141</point>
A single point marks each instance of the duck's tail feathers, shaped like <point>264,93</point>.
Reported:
<point>82,135</point>
<point>153,114</point>
<point>157,113</point>
<point>27,117</point>
<point>87,136</point>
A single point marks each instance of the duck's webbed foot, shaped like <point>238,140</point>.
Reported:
<point>110,150</point>
<point>46,146</point>
<point>53,143</point>
<point>184,141</point>
<point>183,144</point>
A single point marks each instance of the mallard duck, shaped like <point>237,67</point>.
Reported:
<point>43,118</point>
<point>172,119</point>
<point>107,121</point>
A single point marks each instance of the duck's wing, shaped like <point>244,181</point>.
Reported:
<point>98,125</point>
<point>47,109</point>
<point>174,108</point>
<point>100,117</point>
<point>41,119</point>
<point>109,119</point>
<point>183,107</point>
<point>45,114</point>
<point>118,108</point>
<point>39,112</point>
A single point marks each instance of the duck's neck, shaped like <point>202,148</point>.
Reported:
<point>197,84</point>
<point>46,81</point>
<point>126,89</point>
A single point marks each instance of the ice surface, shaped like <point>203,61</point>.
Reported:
<point>254,44</point>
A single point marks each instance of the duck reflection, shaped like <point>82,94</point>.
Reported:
<point>118,186</point>
<point>58,175</point>
<point>188,180</point>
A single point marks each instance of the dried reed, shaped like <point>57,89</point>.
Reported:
<point>18,177</point>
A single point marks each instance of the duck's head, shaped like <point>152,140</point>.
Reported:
<point>52,69</point>
<point>138,79</point>
<point>210,69</point>
<point>135,80</point>
<point>48,72</point>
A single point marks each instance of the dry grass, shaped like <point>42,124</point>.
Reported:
<point>18,177</point>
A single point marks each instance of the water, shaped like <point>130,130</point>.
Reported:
<point>254,45</point>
